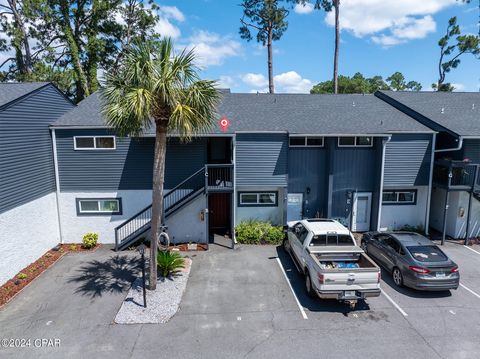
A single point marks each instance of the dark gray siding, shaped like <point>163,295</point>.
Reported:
<point>26,157</point>
<point>130,166</point>
<point>261,159</point>
<point>407,160</point>
<point>353,169</point>
<point>471,150</point>
<point>307,168</point>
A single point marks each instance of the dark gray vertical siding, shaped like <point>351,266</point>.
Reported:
<point>471,150</point>
<point>354,169</point>
<point>307,168</point>
<point>26,157</point>
<point>407,160</point>
<point>261,159</point>
<point>129,166</point>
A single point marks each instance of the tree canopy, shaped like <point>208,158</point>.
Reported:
<point>361,84</point>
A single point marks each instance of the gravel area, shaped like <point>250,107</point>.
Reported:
<point>162,304</point>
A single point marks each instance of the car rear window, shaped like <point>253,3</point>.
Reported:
<point>332,240</point>
<point>427,253</point>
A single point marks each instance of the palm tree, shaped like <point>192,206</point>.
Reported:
<point>154,86</point>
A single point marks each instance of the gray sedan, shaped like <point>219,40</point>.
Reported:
<point>413,260</point>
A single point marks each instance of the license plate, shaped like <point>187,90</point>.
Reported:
<point>349,293</point>
<point>440,275</point>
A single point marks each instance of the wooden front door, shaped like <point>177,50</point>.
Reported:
<point>219,214</point>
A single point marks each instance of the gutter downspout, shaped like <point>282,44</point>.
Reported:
<point>234,215</point>
<point>384,147</point>
<point>57,184</point>
<point>459,146</point>
<point>430,183</point>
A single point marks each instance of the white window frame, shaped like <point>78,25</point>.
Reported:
<point>257,203</point>
<point>98,200</point>
<point>305,141</point>
<point>94,148</point>
<point>355,141</point>
<point>397,195</point>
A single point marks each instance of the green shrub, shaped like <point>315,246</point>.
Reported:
<point>258,232</point>
<point>416,229</point>
<point>22,276</point>
<point>90,240</point>
<point>169,263</point>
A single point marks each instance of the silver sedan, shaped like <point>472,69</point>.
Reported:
<point>413,260</point>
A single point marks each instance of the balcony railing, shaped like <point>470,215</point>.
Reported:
<point>462,174</point>
<point>219,177</point>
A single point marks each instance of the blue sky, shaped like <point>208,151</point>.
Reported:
<point>379,37</point>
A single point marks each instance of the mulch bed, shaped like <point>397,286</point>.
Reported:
<point>184,247</point>
<point>13,286</point>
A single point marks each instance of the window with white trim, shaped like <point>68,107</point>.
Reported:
<point>355,141</point>
<point>258,199</point>
<point>399,197</point>
<point>305,141</point>
<point>99,206</point>
<point>94,142</point>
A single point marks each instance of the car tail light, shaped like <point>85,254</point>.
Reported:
<point>419,270</point>
<point>321,278</point>
<point>379,276</point>
<point>454,270</point>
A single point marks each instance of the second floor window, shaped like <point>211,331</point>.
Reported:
<point>94,142</point>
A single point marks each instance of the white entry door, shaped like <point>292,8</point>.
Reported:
<point>362,208</point>
<point>294,206</point>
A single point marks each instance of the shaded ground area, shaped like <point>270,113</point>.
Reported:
<point>239,304</point>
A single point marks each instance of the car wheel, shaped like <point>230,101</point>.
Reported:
<point>286,245</point>
<point>397,277</point>
<point>309,286</point>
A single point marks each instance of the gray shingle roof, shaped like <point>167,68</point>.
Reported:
<point>456,111</point>
<point>11,91</point>
<point>293,113</point>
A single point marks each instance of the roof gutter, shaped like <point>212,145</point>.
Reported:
<point>459,146</point>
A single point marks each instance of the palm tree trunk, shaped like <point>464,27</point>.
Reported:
<point>157,196</point>
<point>336,5</point>
<point>270,61</point>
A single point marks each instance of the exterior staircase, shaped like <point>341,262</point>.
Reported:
<point>211,178</point>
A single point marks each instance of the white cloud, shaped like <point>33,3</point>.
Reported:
<point>458,87</point>
<point>389,22</point>
<point>171,12</point>
<point>166,29</point>
<point>212,49</point>
<point>290,82</point>
<point>303,9</point>
<point>226,81</point>
<point>255,80</point>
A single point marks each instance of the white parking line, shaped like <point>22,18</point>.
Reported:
<point>473,250</point>
<point>304,315</point>
<point>394,304</point>
<point>471,291</point>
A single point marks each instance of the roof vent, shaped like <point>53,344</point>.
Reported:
<point>353,103</point>
<point>442,110</point>
<point>473,106</point>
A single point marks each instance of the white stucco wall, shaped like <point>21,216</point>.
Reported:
<point>183,226</point>
<point>27,232</point>
<point>396,216</point>
<point>269,214</point>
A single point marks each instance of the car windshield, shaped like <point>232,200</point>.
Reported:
<point>332,240</point>
<point>427,253</point>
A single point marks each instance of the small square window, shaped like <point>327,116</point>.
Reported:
<point>268,198</point>
<point>109,205</point>
<point>89,206</point>
<point>297,141</point>
<point>315,141</point>
<point>105,142</point>
<point>84,142</point>
<point>346,141</point>
<point>248,198</point>
<point>406,197</point>
<point>389,197</point>
<point>93,206</point>
<point>364,141</point>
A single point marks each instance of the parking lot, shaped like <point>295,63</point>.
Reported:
<point>248,303</point>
